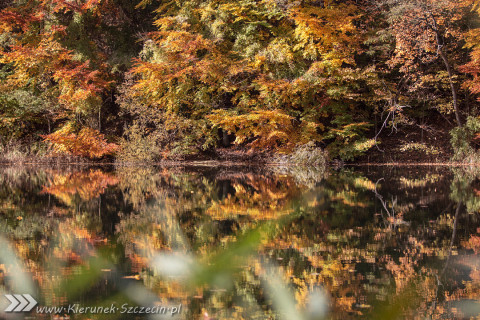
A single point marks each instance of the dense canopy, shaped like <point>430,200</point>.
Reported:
<point>149,80</point>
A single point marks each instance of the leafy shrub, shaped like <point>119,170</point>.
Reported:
<point>136,146</point>
<point>160,133</point>
<point>271,129</point>
<point>147,142</point>
<point>348,151</point>
<point>345,136</point>
<point>87,142</point>
<point>420,147</point>
<point>461,140</point>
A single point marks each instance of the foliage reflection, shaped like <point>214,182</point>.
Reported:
<point>243,243</point>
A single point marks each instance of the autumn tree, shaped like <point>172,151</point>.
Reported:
<point>428,40</point>
<point>64,57</point>
<point>273,74</point>
<point>473,66</point>
<point>177,78</point>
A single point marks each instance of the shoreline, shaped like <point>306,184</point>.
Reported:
<point>415,164</point>
<point>230,163</point>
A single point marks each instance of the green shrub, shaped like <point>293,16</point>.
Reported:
<point>420,147</point>
<point>143,144</point>
<point>461,140</point>
<point>136,146</point>
<point>347,138</point>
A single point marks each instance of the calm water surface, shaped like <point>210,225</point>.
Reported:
<point>241,242</point>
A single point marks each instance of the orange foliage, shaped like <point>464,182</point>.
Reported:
<point>41,60</point>
<point>473,66</point>
<point>88,143</point>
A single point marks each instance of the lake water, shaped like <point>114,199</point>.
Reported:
<point>240,242</point>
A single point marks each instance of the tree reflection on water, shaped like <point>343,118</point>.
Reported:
<point>245,243</point>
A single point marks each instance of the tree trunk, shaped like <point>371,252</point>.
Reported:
<point>99,118</point>
<point>440,52</point>
<point>452,87</point>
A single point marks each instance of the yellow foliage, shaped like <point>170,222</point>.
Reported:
<point>265,129</point>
